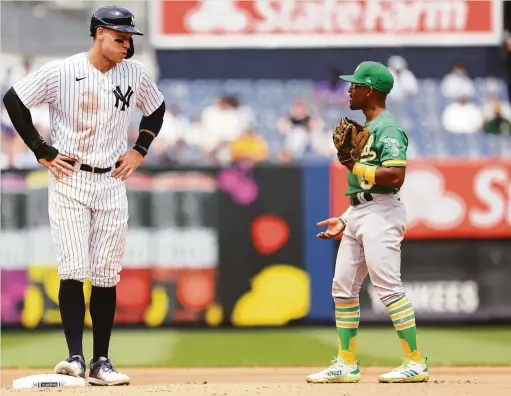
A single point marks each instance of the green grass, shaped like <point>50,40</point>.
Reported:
<point>488,346</point>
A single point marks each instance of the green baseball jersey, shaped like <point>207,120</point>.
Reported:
<point>386,146</point>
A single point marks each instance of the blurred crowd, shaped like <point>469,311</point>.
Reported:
<point>226,132</point>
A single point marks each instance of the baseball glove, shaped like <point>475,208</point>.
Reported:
<point>349,139</point>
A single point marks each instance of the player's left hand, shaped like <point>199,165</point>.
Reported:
<point>129,162</point>
<point>349,138</point>
<point>335,227</point>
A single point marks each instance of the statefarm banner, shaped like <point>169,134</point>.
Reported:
<point>323,23</point>
<point>448,198</point>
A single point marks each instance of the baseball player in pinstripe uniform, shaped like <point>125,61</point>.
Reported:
<point>374,227</point>
<point>91,97</point>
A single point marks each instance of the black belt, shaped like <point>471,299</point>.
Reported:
<point>354,200</point>
<point>92,169</point>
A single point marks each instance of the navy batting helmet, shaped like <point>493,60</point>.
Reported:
<point>116,18</point>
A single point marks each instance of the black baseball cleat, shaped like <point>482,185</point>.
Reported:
<point>103,373</point>
<point>73,366</point>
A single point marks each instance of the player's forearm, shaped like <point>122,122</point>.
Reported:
<point>149,128</point>
<point>380,175</point>
<point>21,119</point>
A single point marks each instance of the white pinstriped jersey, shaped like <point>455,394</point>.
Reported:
<point>90,111</point>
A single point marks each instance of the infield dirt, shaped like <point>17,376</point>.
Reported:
<point>280,382</point>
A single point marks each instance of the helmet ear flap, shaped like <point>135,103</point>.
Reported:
<point>131,49</point>
<point>94,23</point>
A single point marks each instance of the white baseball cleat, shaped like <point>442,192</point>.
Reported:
<point>409,371</point>
<point>103,373</point>
<point>73,366</point>
<point>338,372</point>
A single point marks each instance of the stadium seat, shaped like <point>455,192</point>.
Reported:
<point>420,115</point>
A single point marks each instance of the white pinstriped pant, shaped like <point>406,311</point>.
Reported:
<point>88,220</point>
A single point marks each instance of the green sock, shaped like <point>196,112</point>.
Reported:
<point>403,317</point>
<point>347,318</point>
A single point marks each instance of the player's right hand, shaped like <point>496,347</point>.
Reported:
<point>335,227</point>
<point>57,166</point>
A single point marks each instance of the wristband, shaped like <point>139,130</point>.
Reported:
<point>359,169</point>
<point>141,150</point>
<point>41,149</point>
<point>144,140</point>
<point>370,174</point>
<point>367,172</point>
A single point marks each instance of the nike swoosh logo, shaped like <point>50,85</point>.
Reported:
<point>79,79</point>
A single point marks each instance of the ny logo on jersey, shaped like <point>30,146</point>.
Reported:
<point>124,98</point>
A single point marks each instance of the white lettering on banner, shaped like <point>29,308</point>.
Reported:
<point>332,15</point>
<point>271,17</point>
<point>13,250</point>
<point>485,184</point>
<point>42,251</point>
<point>186,248</point>
<point>435,297</point>
<point>192,248</point>
<point>138,248</point>
<point>445,15</point>
<point>18,249</point>
<point>319,23</point>
<point>348,19</point>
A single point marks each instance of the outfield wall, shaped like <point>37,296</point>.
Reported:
<point>237,246</point>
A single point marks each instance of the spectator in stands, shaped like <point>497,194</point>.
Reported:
<point>175,128</point>
<point>249,148</point>
<point>14,71</point>
<point>496,112</point>
<point>244,113</point>
<point>301,130</point>
<point>222,123</point>
<point>498,124</point>
<point>462,116</point>
<point>405,83</point>
<point>332,91</point>
<point>178,141</point>
<point>492,103</point>
<point>299,117</point>
<point>457,83</point>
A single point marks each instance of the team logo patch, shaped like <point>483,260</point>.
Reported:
<point>123,98</point>
<point>392,145</point>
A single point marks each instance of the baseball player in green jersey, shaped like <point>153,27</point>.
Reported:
<point>374,226</point>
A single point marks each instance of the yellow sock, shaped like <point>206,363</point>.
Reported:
<point>347,318</point>
<point>403,317</point>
